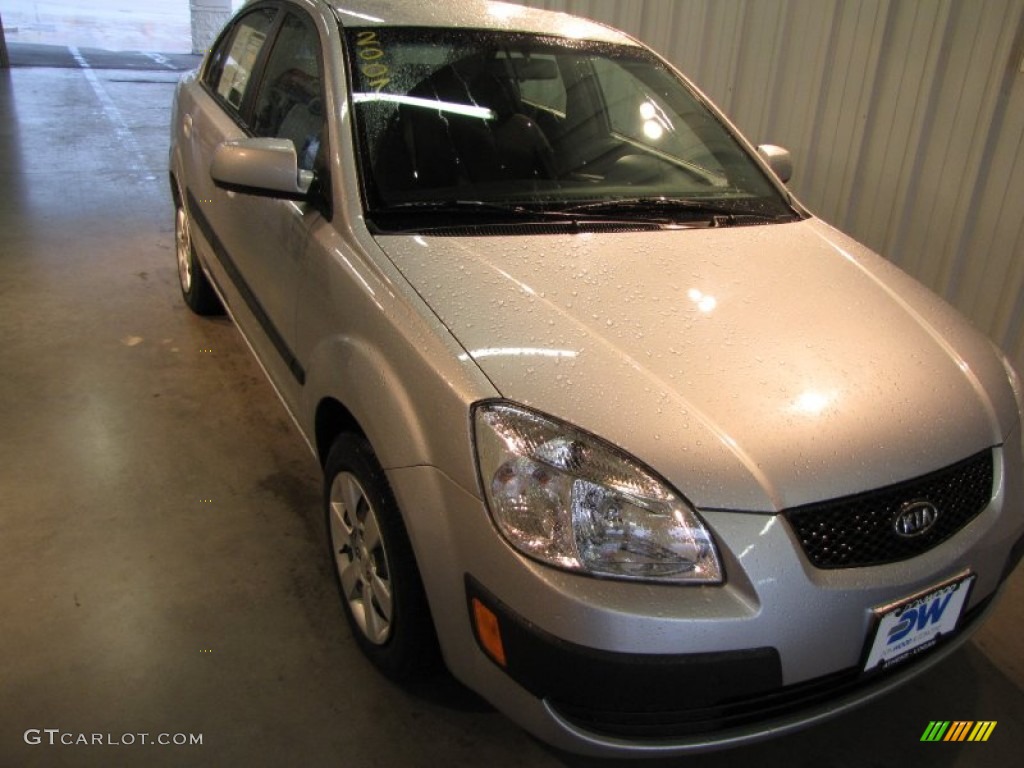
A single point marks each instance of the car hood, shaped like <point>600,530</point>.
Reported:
<point>756,368</point>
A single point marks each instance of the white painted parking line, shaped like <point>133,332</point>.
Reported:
<point>124,133</point>
<point>159,59</point>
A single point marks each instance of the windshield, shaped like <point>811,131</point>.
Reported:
<point>462,118</point>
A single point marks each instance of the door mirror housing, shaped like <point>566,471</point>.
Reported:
<point>778,159</point>
<point>267,167</point>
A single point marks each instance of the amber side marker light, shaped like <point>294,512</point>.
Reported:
<point>488,632</point>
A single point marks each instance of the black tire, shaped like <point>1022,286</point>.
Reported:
<point>195,288</point>
<point>374,566</point>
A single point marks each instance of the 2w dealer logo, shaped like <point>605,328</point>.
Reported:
<point>958,730</point>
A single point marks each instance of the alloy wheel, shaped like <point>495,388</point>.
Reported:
<point>183,245</point>
<point>361,558</point>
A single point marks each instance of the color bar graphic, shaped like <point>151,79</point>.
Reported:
<point>982,730</point>
<point>935,731</point>
<point>958,730</point>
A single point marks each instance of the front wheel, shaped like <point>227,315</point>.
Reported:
<point>195,287</point>
<point>380,586</point>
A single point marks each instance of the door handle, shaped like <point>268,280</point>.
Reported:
<point>186,126</point>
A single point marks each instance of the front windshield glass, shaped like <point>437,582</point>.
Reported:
<point>496,119</point>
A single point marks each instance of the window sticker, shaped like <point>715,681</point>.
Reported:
<point>372,60</point>
<point>244,50</point>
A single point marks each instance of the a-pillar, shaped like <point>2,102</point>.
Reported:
<point>208,16</point>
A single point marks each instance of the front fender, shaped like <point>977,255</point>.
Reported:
<point>381,354</point>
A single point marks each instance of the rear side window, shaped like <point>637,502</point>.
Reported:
<point>229,72</point>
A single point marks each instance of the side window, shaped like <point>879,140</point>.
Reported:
<point>290,102</point>
<point>231,64</point>
<point>632,111</point>
<point>541,84</point>
<point>638,114</point>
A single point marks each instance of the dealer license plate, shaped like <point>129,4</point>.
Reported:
<point>915,624</point>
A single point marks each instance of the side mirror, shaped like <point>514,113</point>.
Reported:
<point>778,159</point>
<point>267,167</point>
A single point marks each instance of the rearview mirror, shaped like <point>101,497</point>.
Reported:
<point>267,167</point>
<point>524,69</point>
<point>778,159</point>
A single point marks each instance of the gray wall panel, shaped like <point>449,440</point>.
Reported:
<point>905,118</point>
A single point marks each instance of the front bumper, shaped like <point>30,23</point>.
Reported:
<point>701,699</point>
<point>615,668</point>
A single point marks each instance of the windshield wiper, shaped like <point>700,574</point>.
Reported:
<point>461,206</point>
<point>519,210</point>
<point>717,214</point>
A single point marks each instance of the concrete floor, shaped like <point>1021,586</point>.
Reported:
<point>119,25</point>
<point>162,555</point>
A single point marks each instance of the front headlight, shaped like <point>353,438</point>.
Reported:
<point>564,497</point>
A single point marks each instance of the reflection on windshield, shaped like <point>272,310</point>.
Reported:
<point>504,118</point>
<point>466,110</point>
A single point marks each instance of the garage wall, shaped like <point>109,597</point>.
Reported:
<point>905,119</point>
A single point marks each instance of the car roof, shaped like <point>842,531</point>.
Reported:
<point>472,14</point>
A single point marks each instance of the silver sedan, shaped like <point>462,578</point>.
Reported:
<point>650,457</point>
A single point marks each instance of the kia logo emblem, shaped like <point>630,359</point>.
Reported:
<point>915,518</point>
